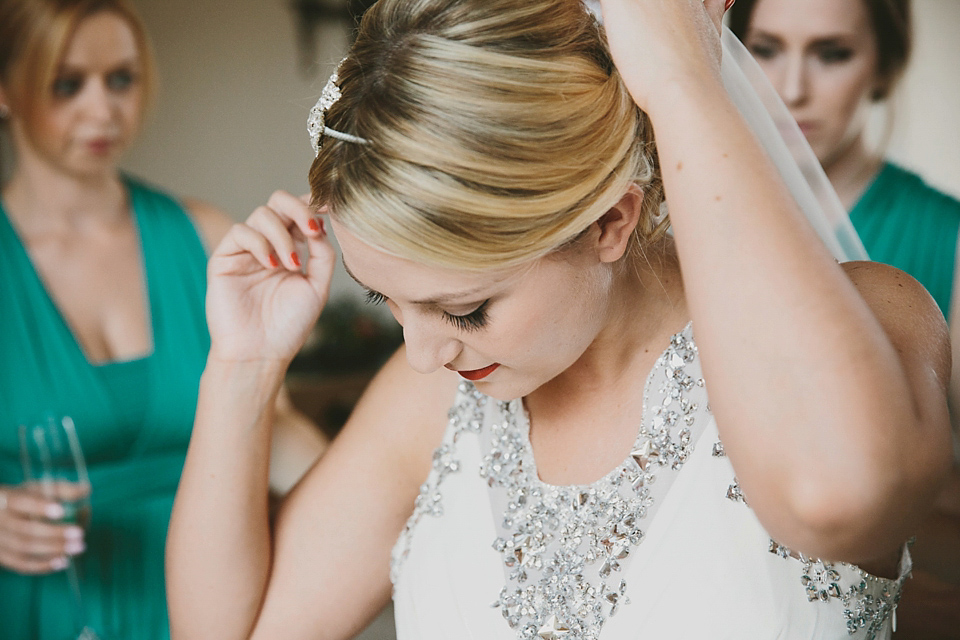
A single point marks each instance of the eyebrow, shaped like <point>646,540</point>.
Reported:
<point>441,299</point>
<point>832,39</point>
<point>68,67</point>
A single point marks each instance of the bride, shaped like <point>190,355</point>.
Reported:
<point>541,459</point>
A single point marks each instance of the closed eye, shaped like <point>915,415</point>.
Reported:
<point>473,321</point>
<point>373,297</point>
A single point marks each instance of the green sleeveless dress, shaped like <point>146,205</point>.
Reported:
<point>133,418</point>
<point>907,224</point>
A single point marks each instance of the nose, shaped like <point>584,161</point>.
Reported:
<point>430,345</point>
<point>793,83</point>
<point>99,102</point>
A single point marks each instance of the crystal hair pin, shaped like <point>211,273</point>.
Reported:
<point>316,125</point>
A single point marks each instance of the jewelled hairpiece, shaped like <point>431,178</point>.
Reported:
<point>316,126</point>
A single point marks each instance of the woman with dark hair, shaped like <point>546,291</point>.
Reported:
<point>829,60</point>
<point>102,285</point>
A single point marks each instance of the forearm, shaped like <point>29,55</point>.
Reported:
<point>219,547</point>
<point>812,400</point>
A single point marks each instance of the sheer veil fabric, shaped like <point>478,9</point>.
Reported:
<point>777,131</point>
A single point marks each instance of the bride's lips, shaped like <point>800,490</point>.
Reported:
<point>479,374</point>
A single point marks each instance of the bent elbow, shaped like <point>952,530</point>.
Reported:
<point>862,516</point>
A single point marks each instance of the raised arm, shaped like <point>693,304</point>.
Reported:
<point>832,411</point>
<point>225,579</point>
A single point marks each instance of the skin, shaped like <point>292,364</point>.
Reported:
<point>70,209</point>
<point>855,360</point>
<point>821,56</point>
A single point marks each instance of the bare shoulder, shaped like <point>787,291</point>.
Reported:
<point>907,312</point>
<point>211,221</point>
<point>407,411</point>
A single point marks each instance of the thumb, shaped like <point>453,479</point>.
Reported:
<point>320,265</point>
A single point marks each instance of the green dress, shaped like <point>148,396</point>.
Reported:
<point>133,418</point>
<point>905,223</point>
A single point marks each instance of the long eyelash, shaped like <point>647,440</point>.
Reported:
<point>372,297</point>
<point>473,321</point>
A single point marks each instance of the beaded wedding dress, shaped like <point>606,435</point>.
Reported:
<point>663,547</point>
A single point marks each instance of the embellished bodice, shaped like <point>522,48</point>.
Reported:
<point>493,552</point>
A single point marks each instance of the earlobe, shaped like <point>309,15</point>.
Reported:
<point>618,224</point>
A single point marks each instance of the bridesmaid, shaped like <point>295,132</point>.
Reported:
<point>830,60</point>
<point>102,283</point>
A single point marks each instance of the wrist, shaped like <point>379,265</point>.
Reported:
<point>680,94</point>
<point>249,381</point>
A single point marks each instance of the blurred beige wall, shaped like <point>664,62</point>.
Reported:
<point>927,113</point>
<point>229,124</point>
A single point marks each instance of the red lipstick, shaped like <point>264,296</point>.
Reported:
<point>479,374</point>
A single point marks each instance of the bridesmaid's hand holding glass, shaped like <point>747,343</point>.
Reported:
<point>32,540</point>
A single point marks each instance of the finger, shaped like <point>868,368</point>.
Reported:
<point>320,265</point>
<point>295,210</point>
<point>32,566</point>
<point>24,503</point>
<point>242,239</point>
<point>274,228</point>
<point>43,530</point>
<point>41,547</point>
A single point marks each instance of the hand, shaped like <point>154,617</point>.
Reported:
<point>31,542</point>
<point>656,43</point>
<point>260,304</point>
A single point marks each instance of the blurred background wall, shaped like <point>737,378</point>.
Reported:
<point>229,125</point>
<point>927,112</point>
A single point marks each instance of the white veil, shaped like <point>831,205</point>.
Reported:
<point>778,133</point>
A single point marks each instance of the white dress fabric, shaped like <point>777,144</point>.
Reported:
<point>663,547</point>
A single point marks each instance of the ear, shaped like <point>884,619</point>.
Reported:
<point>618,224</point>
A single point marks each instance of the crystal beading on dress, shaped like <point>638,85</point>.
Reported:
<point>869,602</point>
<point>564,548</point>
<point>316,123</point>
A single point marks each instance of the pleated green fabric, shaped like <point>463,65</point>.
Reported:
<point>905,223</point>
<point>133,418</point>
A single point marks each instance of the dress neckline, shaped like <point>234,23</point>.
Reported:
<point>523,425</point>
<point>21,248</point>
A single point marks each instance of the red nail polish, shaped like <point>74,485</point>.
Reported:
<point>729,4</point>
<point>273,261</point>
<point>295,258</point>
<point>313,225</point>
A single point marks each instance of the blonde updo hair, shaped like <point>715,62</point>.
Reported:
<point>498,131</point>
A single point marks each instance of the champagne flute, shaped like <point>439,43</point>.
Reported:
<point>53,467</point>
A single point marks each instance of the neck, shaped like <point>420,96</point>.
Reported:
<point>647,307</point>
<point>42,198</point>
<point>851,170</point>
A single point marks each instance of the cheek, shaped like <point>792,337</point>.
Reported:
<point>132,112</point>
<point>845,93</point>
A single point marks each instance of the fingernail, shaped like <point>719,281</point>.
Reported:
<point>74,548</point>
<point>59,563</point>
<point>729,4</point>
<point>313,225</point>
<point>54,511</point>
<point>273,261</point>
<point>73,533</point>
<point>295,259</point>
